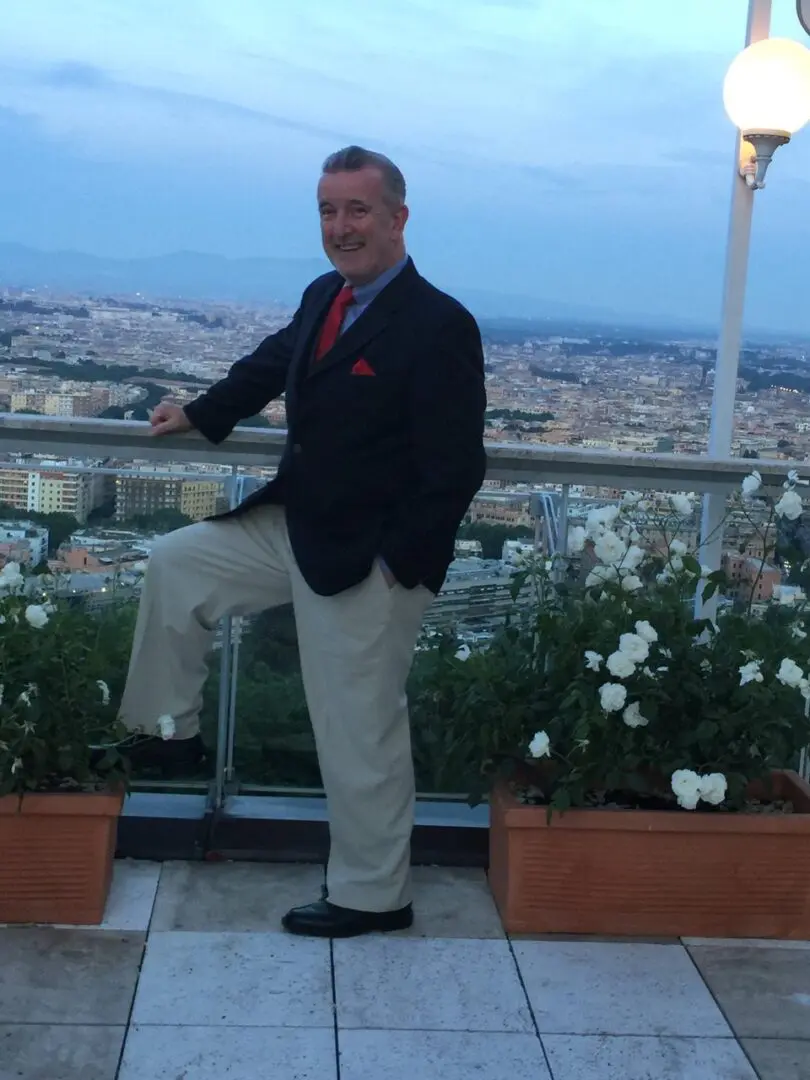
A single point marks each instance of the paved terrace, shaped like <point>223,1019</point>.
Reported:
<point>189,979</point>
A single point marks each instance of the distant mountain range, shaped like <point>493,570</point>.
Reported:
<point>189,275</point>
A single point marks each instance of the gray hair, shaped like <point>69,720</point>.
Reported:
<point>354,158</point>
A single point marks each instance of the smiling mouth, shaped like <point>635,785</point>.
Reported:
<point>347,248</point>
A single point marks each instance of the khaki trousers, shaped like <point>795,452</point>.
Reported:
<point>356,652</point>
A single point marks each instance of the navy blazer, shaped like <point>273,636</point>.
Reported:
<point>385,434</point>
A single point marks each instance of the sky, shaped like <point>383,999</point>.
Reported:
<point>570,150</point>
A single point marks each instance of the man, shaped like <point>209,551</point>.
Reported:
<point>384,383</point>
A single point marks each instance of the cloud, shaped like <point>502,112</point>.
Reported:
<point>699,156</point>
<point>87,77</point>
<point>76,74</point>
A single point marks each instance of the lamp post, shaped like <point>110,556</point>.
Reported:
<point>767,97</point>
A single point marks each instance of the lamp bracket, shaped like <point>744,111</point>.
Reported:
<point>756,151</point>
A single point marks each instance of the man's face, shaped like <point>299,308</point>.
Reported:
<point>361,231</point>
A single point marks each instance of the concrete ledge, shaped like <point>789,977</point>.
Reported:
<point>517,462</point>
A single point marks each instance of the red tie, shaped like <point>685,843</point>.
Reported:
<point>334,320</point>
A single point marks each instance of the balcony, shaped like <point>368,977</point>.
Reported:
<point>189,976</point>
<point>261,797</point>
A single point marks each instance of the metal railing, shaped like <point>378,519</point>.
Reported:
<point>534,465</point>
<point>519,463</point>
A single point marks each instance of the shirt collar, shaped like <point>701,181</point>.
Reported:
<point>364,294</point>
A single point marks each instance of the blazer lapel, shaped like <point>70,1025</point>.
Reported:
<point>371,323</point>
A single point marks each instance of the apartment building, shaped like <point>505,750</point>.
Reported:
<point>138,495</point>
<point>748,579</point>
<point>50,491</point>
<point>511,510</point>
<point>23,541</point>
<point>199,498</point>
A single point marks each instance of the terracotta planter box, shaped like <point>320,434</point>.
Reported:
<point>56,856</point>
<point>653,873</point>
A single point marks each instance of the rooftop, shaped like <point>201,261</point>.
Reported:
<point>189,978</point>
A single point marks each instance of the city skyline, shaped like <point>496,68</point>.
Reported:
<point>576,156</point>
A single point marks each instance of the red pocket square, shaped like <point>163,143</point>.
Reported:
<point>362,367</point>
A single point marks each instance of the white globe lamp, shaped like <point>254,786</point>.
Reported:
<point>766,94</point>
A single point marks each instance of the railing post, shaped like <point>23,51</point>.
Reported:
<point>237,638</point>
<point>562,525</point>
<point>227,686</point>
<point>710,548</point>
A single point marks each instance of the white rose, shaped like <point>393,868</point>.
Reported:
<point>166,727</point>
<point>36,615</point>
<point>634,646</point>
<point>751,483</point>
<point>678,547</point>
<point>789,506</point>
<point>540,745</point>
<point>601,575</point>
<point>686,788</point>
<point>598,520</point>
<point>10,576</point>
<point>139,567</point>
<point>593,660</point>
<point>620,665</point>
<point>676,562</point>
<point>632,716</point>
<point>798,633</point>
<point>632,498</point>
<point>712,788</point>
<point>634,557</point>
<point>463,653</point>
<point>750,672</point>
<point>789,673</point>
<point>610,548</point>
<point>576,540</point>
<point>612,697</point>
<point>632,583</point>
<point>646,631</point>
<point>681,504</point>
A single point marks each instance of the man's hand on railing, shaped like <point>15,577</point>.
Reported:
<point>169,419</point>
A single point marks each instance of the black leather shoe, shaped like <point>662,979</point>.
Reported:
<point>324,919</point>
<point>172,758</point>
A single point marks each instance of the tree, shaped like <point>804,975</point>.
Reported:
<point>60,526</point>
<point>255,421</point>
<point>164,520</point>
